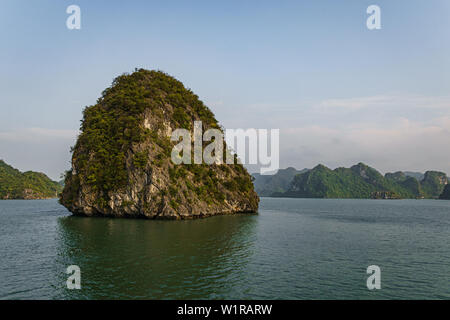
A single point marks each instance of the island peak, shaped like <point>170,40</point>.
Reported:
<point>121,162</point>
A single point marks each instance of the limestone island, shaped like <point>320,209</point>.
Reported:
<point>29,185</point>
<point>122,165</point>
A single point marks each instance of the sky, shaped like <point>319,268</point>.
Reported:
<point>339,92</point>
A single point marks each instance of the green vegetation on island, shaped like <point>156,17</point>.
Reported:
<point>121,162</point>
<point>26,185</point>
<point>364,182</point>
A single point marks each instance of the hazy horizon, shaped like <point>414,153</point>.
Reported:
<point>339,93</point>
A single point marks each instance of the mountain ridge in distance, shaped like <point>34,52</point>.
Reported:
<point>265,185</point>
<point>28,185</point>
<point>359,181</point>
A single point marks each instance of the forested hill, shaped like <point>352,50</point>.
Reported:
<point>362,181</point>
<point>266,185</point>
<point>26,185</point>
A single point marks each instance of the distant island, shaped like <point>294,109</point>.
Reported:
<point>359,182</point>
<point>266,185</point>
<point>26,185</point>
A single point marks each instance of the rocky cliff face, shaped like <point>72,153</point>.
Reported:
<point>121,163</point>
<point>433,183</point>
<point>445,195</point>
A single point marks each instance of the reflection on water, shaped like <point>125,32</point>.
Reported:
<point>156,259</point>
<point>293,249</point>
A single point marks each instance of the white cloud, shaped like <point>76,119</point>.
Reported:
<point>385,102</point>
<point>36,134</point>
<point>388,132</point>
<point>406,145</point>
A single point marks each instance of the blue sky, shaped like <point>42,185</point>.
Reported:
<point>340,93</point>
